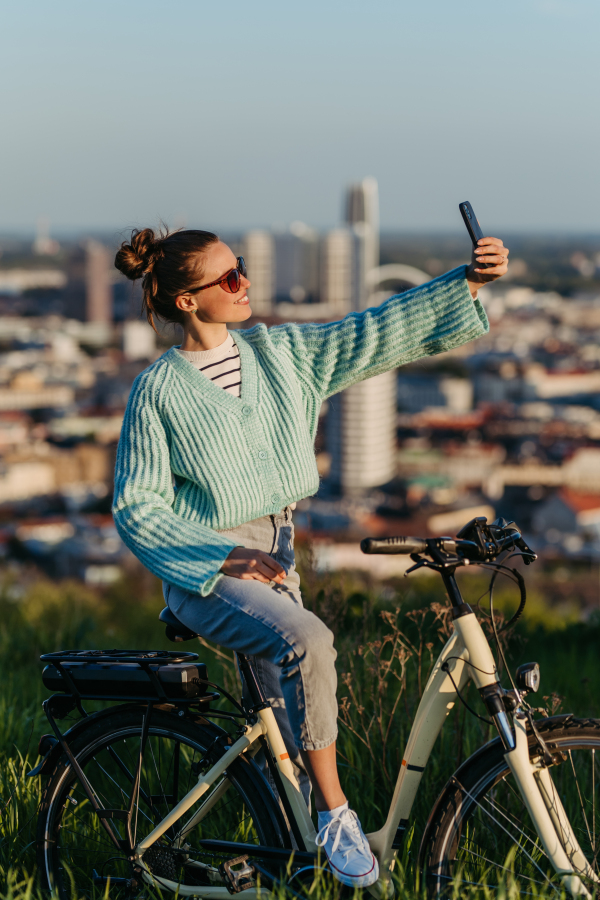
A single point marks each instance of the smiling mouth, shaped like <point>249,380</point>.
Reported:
<point>243,300</point>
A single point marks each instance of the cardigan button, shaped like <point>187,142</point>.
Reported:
<point>275,498</point>
<point>262,454</point>
<point>246,410</point>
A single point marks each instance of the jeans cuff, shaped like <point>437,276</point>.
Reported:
<point>316,745</point>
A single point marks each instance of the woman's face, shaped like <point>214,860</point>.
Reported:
<point>215,305</point>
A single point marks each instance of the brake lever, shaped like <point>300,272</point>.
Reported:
<point>528,555</point>
<point>422,563</point>
<point>435,565</point>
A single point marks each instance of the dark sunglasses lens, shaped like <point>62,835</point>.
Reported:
<point>241,264</point>
<point>233,281</point>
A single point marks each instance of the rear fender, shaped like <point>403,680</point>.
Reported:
<point>50,760</point>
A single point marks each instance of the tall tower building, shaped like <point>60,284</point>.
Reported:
<point>98,283</point>
<point>259,253</point>
<point>362,251</point>
<point>337,271</point>
<point>362,207</point>
<point>361,435</point>
<point>361,421</point>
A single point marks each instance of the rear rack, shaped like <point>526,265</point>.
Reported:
<point>148,661</point>
<point>148,657</point>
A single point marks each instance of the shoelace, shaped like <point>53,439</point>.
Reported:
<point>346,821</point>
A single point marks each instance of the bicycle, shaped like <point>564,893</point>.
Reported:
<point>154,792</point>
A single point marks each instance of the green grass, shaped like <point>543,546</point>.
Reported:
<point>387,639</point>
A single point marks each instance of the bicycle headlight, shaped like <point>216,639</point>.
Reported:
<point>528,677</point>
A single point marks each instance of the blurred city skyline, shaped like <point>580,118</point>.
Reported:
<point>238,117</point>
<point>507,425</point>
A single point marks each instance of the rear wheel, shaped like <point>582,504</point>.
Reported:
<point>481,834</point>
<point>76,855</point>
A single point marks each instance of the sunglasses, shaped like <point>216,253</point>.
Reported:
<point>230,282</point>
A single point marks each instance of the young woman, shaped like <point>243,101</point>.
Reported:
<point>216,448</point>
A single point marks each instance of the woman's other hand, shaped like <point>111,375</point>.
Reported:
<point>492,251</point>
<point>253,565</point>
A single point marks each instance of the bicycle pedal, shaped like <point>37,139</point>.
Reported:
<point>106,881</point>
<point>237,879</point>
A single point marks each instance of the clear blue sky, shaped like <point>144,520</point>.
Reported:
<point>234,114</point>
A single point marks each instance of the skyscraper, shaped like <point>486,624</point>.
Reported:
<point>361,421</point>
<point>98,283</point>
<point>362,207</point>
<point>361,435</point>
<point>259,253</point>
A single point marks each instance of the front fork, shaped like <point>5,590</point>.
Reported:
<point>547,814</point>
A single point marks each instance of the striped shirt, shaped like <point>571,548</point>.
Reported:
<point>221,365</point>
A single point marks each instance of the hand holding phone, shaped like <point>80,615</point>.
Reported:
<point>473,226</point>
<point>493,249</point>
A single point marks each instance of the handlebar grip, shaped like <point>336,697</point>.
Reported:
<point>404,545</point>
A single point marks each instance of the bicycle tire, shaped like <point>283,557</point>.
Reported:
<point>479,833</point>
<point>71,843</point>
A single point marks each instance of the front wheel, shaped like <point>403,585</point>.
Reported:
<point>76,856</point>
<point>480,834</point>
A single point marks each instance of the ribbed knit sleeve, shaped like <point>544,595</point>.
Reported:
<point>426,320</point>
<point>179,551</point>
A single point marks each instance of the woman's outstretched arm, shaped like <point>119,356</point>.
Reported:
<point>429,319</point>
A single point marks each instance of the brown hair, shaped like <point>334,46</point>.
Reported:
<point>169,265</point>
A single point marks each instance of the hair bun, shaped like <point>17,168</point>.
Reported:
<point>136,258</point>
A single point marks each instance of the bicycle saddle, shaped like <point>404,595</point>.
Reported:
<point>175,630</point>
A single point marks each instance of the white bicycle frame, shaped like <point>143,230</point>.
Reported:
<point>466,655</point>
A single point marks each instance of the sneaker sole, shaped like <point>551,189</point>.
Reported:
<point>365,880</point>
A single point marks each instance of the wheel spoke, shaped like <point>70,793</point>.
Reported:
<point>88,838</point>
<point>506,831</point>
<point>502,868</point>
<point>580,798</point>
<point>479,884</point>
<point>504,812</point>
<point>594,803</point>
<point>124,797</point>
<point>520,831</point>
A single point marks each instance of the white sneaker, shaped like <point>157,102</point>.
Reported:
<point>350,857</point>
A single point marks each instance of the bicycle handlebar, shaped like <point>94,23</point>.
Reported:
<point>404,545</point>
<point>476,542</point>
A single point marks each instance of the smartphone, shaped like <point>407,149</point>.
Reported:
<point>473,227</point>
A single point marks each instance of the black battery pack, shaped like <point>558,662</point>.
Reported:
<point>115,680</point>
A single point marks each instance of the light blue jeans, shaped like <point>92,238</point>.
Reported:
<point>290,647</point>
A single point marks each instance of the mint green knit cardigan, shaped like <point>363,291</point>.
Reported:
<point>193,459</point>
